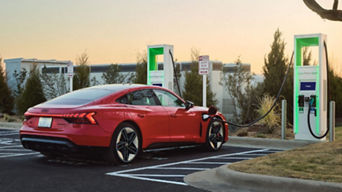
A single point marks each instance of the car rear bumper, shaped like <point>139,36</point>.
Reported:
<point>55,145</point>
<point>43,143</point>
<point>79,135</point>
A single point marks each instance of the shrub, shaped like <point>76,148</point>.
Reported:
<point>272,120</point>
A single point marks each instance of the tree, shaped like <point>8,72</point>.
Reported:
<point>81,77</point>
<point>244,95</point>
<point>334,14</point>
<point>194,83</point>
<point>33,92</point>
<point>306,56</point>
<point>141,69</point>
<point>274,70</point>
<point>6,99</point>
<point>19,78</point>
<point>54,84</point>
<point>275,65</point>
<point>94,81</point>
<point>335,91</point>
<point>112,75</point>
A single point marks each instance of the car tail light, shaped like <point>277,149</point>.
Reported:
<point>81,118</point>
<point>76,118</point>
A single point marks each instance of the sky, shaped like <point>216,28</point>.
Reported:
<point>117,31</point>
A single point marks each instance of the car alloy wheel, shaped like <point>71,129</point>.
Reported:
<point>215,137</point>
<point>127,144</point>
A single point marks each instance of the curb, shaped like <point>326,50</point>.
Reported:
<point>266,143</point>
<point>257,182</point>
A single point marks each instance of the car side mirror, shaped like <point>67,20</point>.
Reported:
<point>212,110</point>
<point>188,105</point>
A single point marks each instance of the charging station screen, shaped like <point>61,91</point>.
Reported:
<point>157,84</point>
<point>307,86</point>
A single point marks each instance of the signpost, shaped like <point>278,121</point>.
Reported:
<point>203,70</point>
<point>70,67</point>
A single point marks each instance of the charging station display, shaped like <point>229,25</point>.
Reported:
<point>310,90</point>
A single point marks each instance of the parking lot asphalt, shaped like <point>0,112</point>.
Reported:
<point>26,170</point>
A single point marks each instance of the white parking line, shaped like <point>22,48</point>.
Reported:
<point>182,168</point>
<point>9,146</point>
<point>11,131</point>
<point>156,175</point>
<point>148,179</point>
<point>205,160</point>
<point>210,162</point>
<point>14,149</point>
<point>8,134</point>
<point>20,154</point>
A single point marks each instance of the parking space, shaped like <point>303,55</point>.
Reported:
<point>154,170</point>
<point>173,173</point>
<point>10,145</point>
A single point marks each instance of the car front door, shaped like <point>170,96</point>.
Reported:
<point>184,124</point>
<point>152,118</point>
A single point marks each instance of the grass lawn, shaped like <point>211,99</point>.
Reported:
<point>320,161</point>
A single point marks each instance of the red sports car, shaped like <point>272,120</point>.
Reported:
<point>121,119</point>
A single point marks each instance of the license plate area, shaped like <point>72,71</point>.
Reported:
<point>45,122</point>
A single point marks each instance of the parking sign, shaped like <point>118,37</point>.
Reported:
<point>70,69</point>
<point>203,63</point>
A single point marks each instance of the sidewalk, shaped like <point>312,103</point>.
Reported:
<point>266,143</point>
<point>225,179</point>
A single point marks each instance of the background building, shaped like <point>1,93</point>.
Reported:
<point>16,65</point>
<point>217,72</point>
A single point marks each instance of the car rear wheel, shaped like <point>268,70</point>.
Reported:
<point>126,143</point>
<point>215,135</point>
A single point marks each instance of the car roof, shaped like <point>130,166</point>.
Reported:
<point>121,87</point>
<point>118,86</point>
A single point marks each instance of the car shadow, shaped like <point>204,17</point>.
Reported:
<point>147,157</point>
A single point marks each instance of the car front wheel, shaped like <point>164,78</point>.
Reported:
<point>215,135</point>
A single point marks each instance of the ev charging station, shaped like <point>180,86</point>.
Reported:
<point>163,78</point>
<point>310,89</point>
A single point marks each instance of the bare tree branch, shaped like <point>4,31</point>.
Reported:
<point>335,5</point>
<point>333,15</point>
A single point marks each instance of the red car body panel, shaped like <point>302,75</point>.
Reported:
<point>157,124</point>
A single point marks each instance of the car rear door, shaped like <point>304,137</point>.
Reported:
<point>184,124</point>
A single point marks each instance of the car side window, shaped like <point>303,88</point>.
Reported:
<point>140,97</point>
<point>168,99</point>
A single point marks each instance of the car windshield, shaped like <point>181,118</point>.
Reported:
<point>83,96</point>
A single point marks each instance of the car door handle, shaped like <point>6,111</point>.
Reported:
<point>141,115</point>
<point>173,115</point>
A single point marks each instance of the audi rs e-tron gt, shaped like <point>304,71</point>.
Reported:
<point>122,120</point>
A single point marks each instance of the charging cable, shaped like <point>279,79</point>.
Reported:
<point>312,100</point>
<point>175,73</point>
<point>274,103</point>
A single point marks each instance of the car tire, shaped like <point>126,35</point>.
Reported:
<point>126,144</point>
<point>215,134</point>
